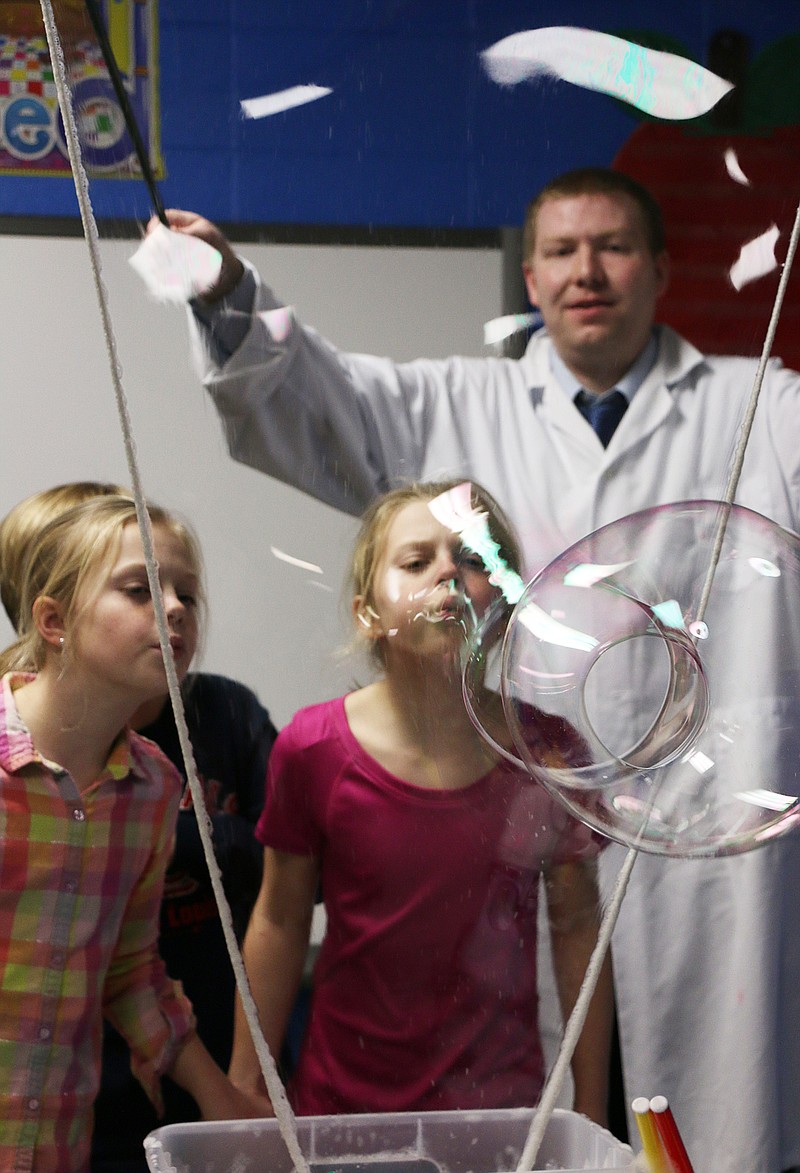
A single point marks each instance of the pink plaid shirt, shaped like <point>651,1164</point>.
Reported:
<point>80,888</point>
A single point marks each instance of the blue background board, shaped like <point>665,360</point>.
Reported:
<point>415,134</point>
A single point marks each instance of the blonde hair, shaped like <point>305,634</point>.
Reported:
<point>375,523</point>
<point>65,560</point>
<point>28,518</point>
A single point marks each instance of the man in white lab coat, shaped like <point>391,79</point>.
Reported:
<point>706,953</point>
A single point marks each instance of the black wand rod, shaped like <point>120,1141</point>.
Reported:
<point>127,110</point>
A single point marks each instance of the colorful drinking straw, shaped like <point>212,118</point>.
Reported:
<point>651,1142</point>
<point>667,1129</point>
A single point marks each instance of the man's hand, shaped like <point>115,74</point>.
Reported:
<point>193,225</point>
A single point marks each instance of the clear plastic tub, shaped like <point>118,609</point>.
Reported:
<point>426,1142</point>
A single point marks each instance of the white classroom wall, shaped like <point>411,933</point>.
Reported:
<point>273,626</point>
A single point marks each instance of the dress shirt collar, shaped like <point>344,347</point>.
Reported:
<point>630,382</point>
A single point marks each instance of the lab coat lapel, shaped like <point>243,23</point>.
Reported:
<point>559,413</point>
<point>653,403</point>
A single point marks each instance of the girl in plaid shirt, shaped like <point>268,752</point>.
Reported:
<point>88,812</point>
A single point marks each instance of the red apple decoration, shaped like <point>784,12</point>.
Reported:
<point>722,182</point>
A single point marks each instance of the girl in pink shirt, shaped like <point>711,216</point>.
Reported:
<point>429,849</point>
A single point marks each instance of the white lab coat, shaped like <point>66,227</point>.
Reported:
<point>706,953</point>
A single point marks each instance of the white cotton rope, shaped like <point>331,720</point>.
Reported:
<point>283,1111</point>
<point>577,1018</point>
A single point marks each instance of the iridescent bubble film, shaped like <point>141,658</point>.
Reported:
<point>481,680</point>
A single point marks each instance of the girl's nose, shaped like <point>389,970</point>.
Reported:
<point>173,606</point>
<point>447,571</point>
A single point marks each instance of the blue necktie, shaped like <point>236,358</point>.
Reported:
<point>602,413</point>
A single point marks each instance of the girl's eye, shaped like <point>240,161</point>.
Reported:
<point>137,591</point>
<point>188,600</point>
<point>414,564</point>
<point>471,561</point>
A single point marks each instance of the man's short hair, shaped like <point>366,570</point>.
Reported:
<point>596,181</point>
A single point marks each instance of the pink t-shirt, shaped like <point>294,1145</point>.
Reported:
<point>425,986</point>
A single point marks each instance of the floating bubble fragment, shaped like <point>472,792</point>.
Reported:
<point>454,510</point>
<point>756,258</point>
<point>300,563</point>
<point>276,103</point>
<point>734,168</point>
<point>661,84</point>
<point>689,748</point>
<point>497,330</point>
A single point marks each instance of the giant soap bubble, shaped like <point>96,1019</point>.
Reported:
<point>670,641</point>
